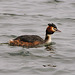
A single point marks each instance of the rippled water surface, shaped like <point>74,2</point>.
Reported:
<point>19,17</point>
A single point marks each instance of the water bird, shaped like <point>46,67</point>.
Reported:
<point>34,40</point>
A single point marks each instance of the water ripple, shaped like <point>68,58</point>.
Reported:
<point>12,14</point>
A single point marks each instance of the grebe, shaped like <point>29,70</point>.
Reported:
<point>34,40</point>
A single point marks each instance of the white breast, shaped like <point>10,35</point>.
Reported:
<point>49,39</point>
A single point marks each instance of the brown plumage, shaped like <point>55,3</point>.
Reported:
<point>34,40</point>
<point>27,41</point>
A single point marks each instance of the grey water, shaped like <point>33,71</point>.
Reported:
<point>30,17</point>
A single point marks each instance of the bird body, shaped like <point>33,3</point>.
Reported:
<point>34,40</point>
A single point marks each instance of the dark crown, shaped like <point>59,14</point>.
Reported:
<point>53,25</point>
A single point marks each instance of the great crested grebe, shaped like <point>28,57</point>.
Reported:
<point>34,40</point>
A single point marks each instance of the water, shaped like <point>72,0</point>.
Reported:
<point>18,17</point>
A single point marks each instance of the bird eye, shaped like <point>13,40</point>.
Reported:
<point>54,28</point>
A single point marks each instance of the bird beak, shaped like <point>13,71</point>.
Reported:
<point>58,30</point>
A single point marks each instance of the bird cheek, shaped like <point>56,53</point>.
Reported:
<point>52,29</point>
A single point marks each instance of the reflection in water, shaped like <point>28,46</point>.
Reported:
<point>22,53</point>
<point>49,47</point>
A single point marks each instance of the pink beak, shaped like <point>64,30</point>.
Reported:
<point>58,30</point>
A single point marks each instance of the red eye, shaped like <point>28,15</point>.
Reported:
<point>54,28</point>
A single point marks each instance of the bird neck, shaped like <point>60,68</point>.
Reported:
<point>48,38</point>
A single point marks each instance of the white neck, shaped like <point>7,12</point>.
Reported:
<point>48,38</point>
